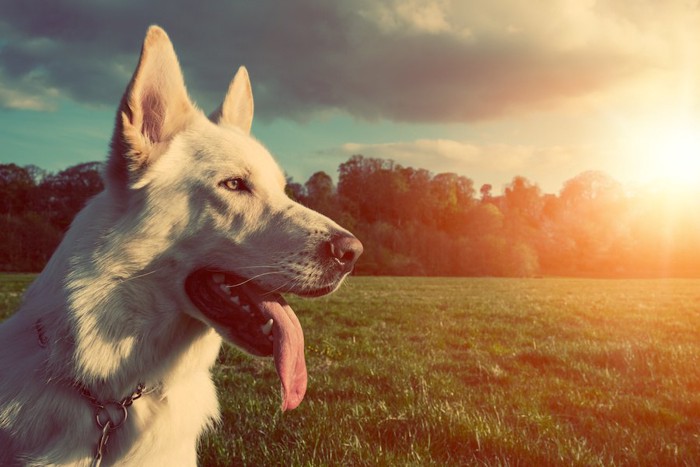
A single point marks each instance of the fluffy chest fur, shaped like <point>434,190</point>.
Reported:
<point>48,354</point>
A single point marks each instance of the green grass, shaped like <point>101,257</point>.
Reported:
<point>416,371</point>
<point>12,287</point>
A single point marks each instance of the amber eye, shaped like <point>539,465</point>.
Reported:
<point>234,184</point>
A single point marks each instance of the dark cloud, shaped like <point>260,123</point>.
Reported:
<point>304,57</point>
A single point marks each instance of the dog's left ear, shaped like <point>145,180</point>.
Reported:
<point>153,109</point>
<point>237,108</point>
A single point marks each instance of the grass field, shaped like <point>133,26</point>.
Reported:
<point>415,371</point>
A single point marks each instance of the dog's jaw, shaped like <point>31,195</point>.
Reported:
<point>259,322</point>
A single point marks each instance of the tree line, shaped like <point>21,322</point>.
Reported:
<point>414,222</point>
<point>36,208</point>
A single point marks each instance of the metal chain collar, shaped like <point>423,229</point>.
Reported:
<point>109,417</point>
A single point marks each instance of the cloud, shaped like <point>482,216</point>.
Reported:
<point>402,60</point>
<point>28,96</point>
<point>417,15</point>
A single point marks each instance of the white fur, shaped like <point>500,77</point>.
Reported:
<point>110,304</point>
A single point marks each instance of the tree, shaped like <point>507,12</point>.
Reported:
<point>413,222</point>
<point>417,201</point>
<point>320,194</point>
<point>28,240</point>
<point>485,191</point>
<point>523,198</point>
<point>66,192</point>
<point>485,219</point>
<point>294,190</point>
<point>18,188</point>
<point>319,186</point>
<point>591,186</point>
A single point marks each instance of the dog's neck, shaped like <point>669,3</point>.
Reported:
<point>112,321</point>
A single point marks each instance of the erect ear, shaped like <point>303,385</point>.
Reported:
<point>237,108</point>
<point>155,106</point>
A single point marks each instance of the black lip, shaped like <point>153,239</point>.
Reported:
<point>235,324</point>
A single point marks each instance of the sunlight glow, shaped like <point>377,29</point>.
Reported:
<point>668,151</point>
<point>676,153</point>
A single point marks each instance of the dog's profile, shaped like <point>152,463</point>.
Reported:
<point>193,239</point>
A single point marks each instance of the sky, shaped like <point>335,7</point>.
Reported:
<point>489,89</point>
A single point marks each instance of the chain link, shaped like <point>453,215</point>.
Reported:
<point>97,460</point>
<point>104,419</point>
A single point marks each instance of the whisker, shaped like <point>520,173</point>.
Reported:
<point>139,276</point>
<point>253,278</point>
<point>257,267</point>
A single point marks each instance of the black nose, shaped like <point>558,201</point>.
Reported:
<point>345,249</point>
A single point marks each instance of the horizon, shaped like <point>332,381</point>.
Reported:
<point>630,190</point>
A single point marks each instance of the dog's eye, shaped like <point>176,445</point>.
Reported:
<point>234,184</point>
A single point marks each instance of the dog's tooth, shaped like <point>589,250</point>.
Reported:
<point>224,288</point>
<point>235,299</point>
<point>218,278</point>
<point>267,327</point>
<point>246,308</point>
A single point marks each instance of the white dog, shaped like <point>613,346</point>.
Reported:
<point>108,359</point>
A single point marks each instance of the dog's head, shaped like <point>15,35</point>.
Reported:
<point>210,200</point>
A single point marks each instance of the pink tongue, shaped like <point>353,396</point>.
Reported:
<point>288,347</point>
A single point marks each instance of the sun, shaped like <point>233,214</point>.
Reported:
<point>675,152</point>
<point>667,151</point>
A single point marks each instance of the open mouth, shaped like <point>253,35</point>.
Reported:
<point>259,322</point>
<point>222,298</point>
